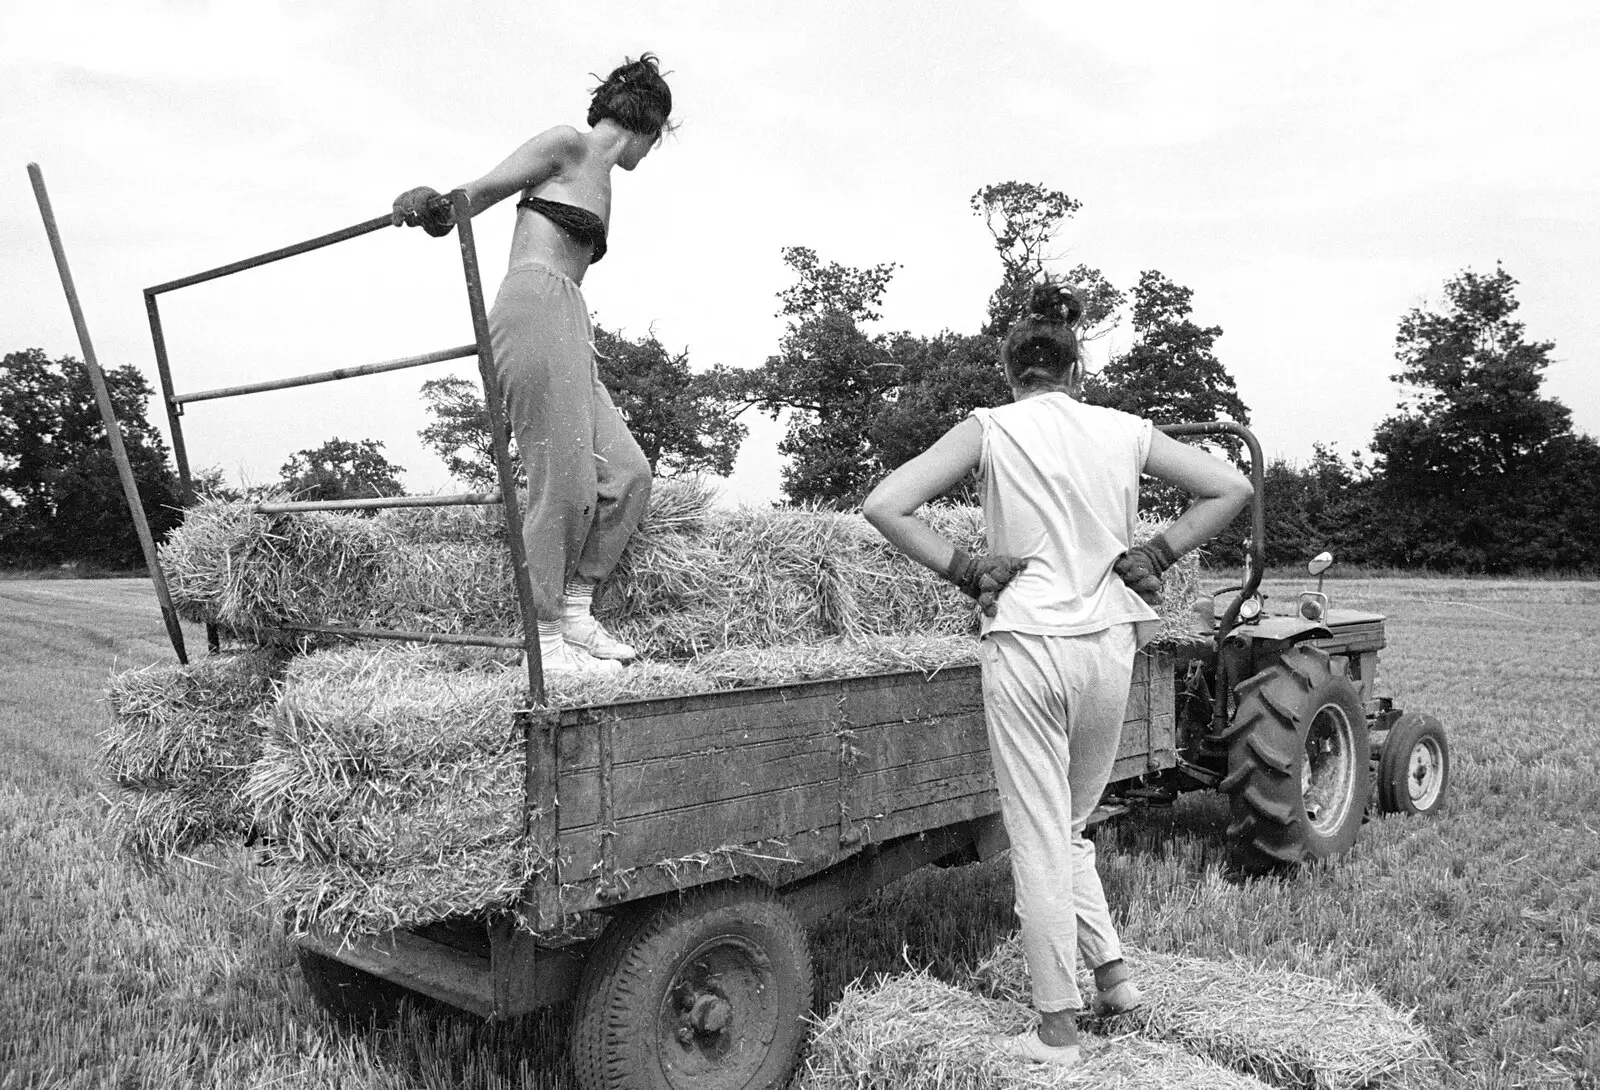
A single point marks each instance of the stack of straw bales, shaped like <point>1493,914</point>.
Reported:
<point>1289,1029</point>
<point>693,579</point>
<point>181,744</point>
<point>388,780</point>
<point>389,787</point>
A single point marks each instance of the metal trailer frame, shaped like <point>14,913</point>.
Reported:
<point>540,815</point>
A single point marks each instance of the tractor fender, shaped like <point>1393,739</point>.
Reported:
<point>1281,630</point>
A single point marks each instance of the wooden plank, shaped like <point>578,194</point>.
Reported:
<point>688,830</point>
<point>921,789</point>
<point>647,787</point>
<point>414,962</point>
<point>526,976</point>
<point>971,804</point>
<point>542,815</point>
<point>772,863</point>
<point>901,698</point>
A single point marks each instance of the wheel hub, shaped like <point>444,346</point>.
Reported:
<point>1327,782</point>
<point>1425,773</point>
<point>717,1016</point>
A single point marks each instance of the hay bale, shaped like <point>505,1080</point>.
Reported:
<point>390,781</point>
<point>913,1032</point>
<point>741,667</point>
<point>1290,1029</point>
<point>693,579</point>
<point>178,748</point>
<point>244,571</point>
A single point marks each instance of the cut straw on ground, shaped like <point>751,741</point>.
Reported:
<point>1289,1029</point>
<point>913,1032</point>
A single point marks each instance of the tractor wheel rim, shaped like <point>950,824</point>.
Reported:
<point>1425,773</point>
<point>718,1016</point>
<point>1328,784</point>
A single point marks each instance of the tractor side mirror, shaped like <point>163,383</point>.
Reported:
<point>1320,563</point>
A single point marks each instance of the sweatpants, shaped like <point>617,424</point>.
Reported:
<point>588,481</point>
<point>1054,707</point>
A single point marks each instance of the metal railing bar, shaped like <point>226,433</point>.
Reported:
<point>330,376</point>
<point>108,415</point>
<point>459,499</point>
<point>466,639</point>
<point>273,255</point>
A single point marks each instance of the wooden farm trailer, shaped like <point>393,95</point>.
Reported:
<point>711,830</point>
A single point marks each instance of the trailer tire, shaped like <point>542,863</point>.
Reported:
<point>708,990</point>
<point>353,997</point>
<point>1414,766</point>
<point>1299,770</point>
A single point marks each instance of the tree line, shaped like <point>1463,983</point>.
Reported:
<point>1476,470</point>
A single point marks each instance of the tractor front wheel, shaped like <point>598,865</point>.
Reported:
<point>1414,767</point>
<point>1298,765</point>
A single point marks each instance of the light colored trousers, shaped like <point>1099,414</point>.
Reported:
<point>1054,707</point>
<point>588,481</point>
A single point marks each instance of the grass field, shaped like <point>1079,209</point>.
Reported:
<point>1486,920</point>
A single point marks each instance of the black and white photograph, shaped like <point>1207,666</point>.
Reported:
<point>905,545</point>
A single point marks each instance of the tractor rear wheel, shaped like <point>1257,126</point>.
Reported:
<point>1414,767</point>
<point>1298,764</point>
<point>707,991</point>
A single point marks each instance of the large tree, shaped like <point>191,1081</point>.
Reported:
<point>685,422</point>
<point>61,498</point>
<point>1477,465</point>
<point>829,379</point>
<point>1024,218</point>
<point>1170,374</point>
<point>342,470</point>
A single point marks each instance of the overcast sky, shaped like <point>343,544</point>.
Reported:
<point>1310,171</point>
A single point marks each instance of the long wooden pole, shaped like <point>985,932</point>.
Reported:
<point>108,413</point>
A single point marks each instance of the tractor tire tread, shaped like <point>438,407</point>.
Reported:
<point>1269,829</point>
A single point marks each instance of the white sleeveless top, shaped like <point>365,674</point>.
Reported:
<point>1059,484</point>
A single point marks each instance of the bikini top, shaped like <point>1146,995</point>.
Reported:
<point>580,223</point>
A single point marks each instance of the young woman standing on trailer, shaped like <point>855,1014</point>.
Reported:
<point>588,481</point>
<point>1062,592</point>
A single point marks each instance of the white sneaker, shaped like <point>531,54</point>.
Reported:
<point>589,635</point>
<point>564,658</point>
<point>1027,1046</point>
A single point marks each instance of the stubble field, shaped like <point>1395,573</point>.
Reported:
<point>1485,920</point>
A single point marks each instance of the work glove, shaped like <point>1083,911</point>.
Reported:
<point>1141,567</point>
<point>426,208</point>
<point>983,577</point>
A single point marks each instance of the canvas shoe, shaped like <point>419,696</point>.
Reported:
<point>564,658</point>
<point>1118,999</point>
<point>590,636</point>
<point>1027,1046</point>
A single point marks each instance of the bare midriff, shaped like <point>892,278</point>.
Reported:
<point>537,241</point>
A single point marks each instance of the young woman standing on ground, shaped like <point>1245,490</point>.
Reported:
<point>588,481</point>
<point>1059,482</point>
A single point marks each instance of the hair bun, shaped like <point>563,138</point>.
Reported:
<point>1055,303</point>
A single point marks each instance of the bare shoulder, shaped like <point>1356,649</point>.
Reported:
<point>562,142</point>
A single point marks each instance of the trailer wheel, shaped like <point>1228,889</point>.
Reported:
<point>1299,769</point>
<point>708,991</point>
<point>351,996</point>
<point>1414,766</point>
